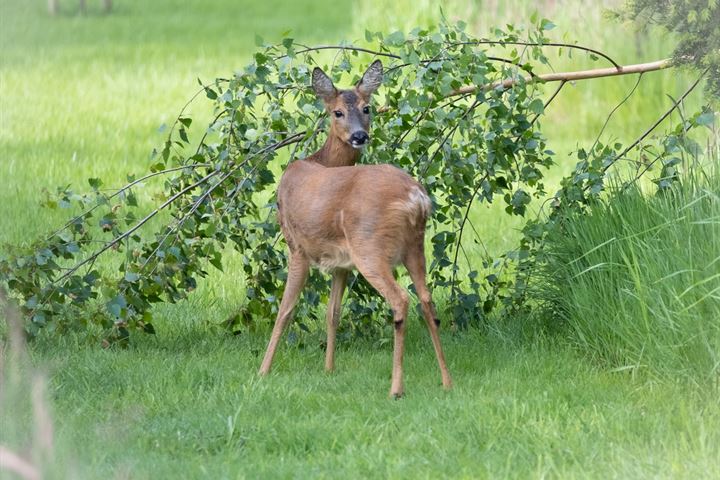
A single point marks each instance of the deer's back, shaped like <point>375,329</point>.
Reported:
<point>332,215</point>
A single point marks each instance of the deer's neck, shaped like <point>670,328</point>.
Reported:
<point>335,153</point>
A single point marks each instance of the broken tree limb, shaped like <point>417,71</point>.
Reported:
<point>570,76</point>
<point>560,77</point>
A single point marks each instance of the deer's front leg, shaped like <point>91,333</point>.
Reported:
<point>339,280</point>
<point>298,268</point>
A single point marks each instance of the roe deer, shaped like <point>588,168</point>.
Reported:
<point>371,217</point>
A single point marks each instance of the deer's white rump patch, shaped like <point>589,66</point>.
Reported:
<point>417,206</point>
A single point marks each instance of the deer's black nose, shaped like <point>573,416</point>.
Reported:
<point>359,138</point>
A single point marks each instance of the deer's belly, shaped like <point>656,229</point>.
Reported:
<point>319,237</point>
<point>329,257</point>
<point>333,258</point>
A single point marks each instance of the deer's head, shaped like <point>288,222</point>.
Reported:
<point>349,110</point>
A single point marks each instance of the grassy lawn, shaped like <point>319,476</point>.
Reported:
<point>84,97</point>
<point>188,404</point>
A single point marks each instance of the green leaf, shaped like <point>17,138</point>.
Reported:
<point>395,39</point>
<point>131,277</point>
<point>706,118</point>
<point>251,134</point>
<point>210,93</point>
<point>537,106</point>
<point>546,24</point>
<point>131,199</point>
<point>216,261</point>
<point>117,305</point>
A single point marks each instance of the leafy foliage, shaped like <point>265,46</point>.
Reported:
<point>484,145</point>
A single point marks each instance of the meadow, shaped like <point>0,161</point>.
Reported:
<point>587,391</point>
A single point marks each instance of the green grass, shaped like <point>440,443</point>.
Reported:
<point>638,279</point>
<point>189,404</point>
<point>84,96</point>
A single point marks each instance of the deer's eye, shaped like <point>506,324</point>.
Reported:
<point>366,110</point>
<point>338,114</point>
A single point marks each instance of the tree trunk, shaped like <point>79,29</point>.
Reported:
<point>83,6</point>
<point>53,7</point>
<point>107,5</point>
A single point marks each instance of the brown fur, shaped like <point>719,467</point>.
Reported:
<point>337,216</point>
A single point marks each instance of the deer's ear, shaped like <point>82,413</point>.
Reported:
<point>323,86</point>
<point>371,79</point>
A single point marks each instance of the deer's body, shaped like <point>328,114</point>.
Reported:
<point>379,210</point>
<point>337,216</point>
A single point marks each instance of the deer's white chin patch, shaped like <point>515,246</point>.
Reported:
<point>357,146</point>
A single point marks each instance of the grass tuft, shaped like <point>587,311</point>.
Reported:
<point>637,280</point>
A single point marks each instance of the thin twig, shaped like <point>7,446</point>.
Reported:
<point>447,136</point>
<point>125,188</point>
<point>341,47</point>
<point>494,59</point>
<point>659,121</point>
<point>130,231</point>
<point>543,44</point>
<point>462,226</point>
<point>207,130</point>
<point>466,216</point>
<point>612,112</point>
<point>548,102</point>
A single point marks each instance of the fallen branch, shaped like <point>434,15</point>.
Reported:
<point>560,77</point>
<point>570,76</point>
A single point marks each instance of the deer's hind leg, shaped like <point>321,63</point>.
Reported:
<point>379,274</point>
<point>415,263</point>
<point>298,268</point>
